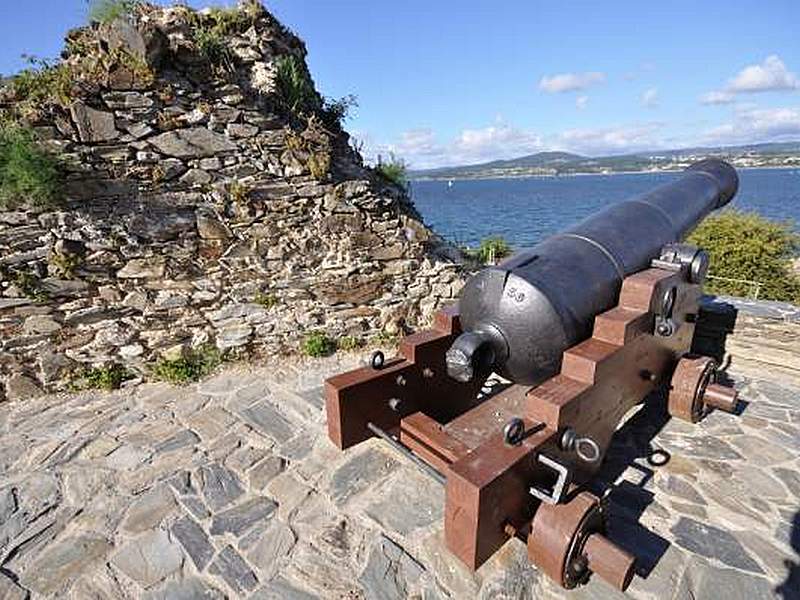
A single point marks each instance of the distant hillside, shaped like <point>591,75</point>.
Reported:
<point>784,154</point>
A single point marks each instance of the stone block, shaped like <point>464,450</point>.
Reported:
<point>233,569</point>
<point>148,559</point>
<point>194,540</point>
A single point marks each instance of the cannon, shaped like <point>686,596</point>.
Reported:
<point>581,328</point>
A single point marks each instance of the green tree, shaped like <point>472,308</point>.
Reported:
<point>746,246</point>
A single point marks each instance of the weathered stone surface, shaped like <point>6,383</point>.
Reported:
<point>411,488</point>
<point>194,541</point>
<point>234,570</point>
<point>360,472</point>
<point>210,228</point>
<point>126,100</point>
<point>220,486</point>
<point>713,542</point>
<point>93,125</point>
<point>265,418</point>
<point>149,558</point>
<point>790,478</point>
<point>149,510</point>
<point>22,387</point>
<point>681,488</point>
<point>239,519</point>
<point>195,142</point>
<point>265,471</point>
<point>189,588</point>
<point>280,589</point>
<point>10,590</point>
<point>143,268</point>
<point>390,573</point>
<point>36,324</point>
<point>181,439</point>
<point>62,562</point>
<point>196,177</point>
<point>272,546</point>
<point>705,581</point>
<point>8,503</point>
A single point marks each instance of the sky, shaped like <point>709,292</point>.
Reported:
<point>444,82</point>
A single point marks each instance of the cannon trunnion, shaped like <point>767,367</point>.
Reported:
<point>606,319</point>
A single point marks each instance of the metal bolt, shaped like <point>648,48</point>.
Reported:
<point>401,381</point>
<point>427,373</point>
<point>395,403</point>
<point>514,431</point>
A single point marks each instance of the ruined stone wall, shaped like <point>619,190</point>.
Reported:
<point>197,210</point>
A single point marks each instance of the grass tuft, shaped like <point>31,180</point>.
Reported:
<point>265,300</point>
<point>318,344</point>
<point>491,250</point>
<point>108,377</point>
<point>349,343</point>
<point>395,170</point>
<point>193,366</point>
<point>294,86</point>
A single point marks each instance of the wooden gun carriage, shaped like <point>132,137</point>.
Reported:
<point>585,325</point>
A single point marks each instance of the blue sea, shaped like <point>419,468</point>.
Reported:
<point>526,210</point>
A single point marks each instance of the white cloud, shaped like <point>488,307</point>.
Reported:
<point>423,150</point>
<point>570,82</point>
<point>581,102</point>
<point>757,125</point>
<point>717,97</point>
<point>611,140</point>
<point>650,98</point>
<point>501,140</point>
<point>771,75</point>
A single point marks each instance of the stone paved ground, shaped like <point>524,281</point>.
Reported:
<point>231,489</point>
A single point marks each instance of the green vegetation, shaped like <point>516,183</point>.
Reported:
<point>349,343</point>
<point>239,192</point>
<point>265,300</point>
<point>384,337</point>
<point>65,265</point>
<point>749,248</point>
<point>395,170</point>
<point>106,11</point>
<point>108,377</point>
<point>28,174</point>
<point>319,164</point>
<point>294,86</point>
<point>192,366</point>
<point>298,95</point>
<point>31,286</point>
<point>318,344</point>
<point>52,83</point>
<point>210,33</point>
<point>211,44</point>
<point>336,111</point>
<point>491,250</point>
<point>43,82</point>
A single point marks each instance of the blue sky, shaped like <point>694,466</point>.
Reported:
<point>458,82</point>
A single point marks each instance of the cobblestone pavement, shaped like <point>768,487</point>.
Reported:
<point>230,488</point>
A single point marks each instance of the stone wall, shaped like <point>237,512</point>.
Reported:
<point>198,209</point>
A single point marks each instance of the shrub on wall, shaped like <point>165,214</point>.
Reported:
<point>28,173</point>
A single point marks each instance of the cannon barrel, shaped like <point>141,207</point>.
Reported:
<point>518,317</point>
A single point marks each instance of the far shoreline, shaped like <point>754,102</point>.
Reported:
<point>583,174</point>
